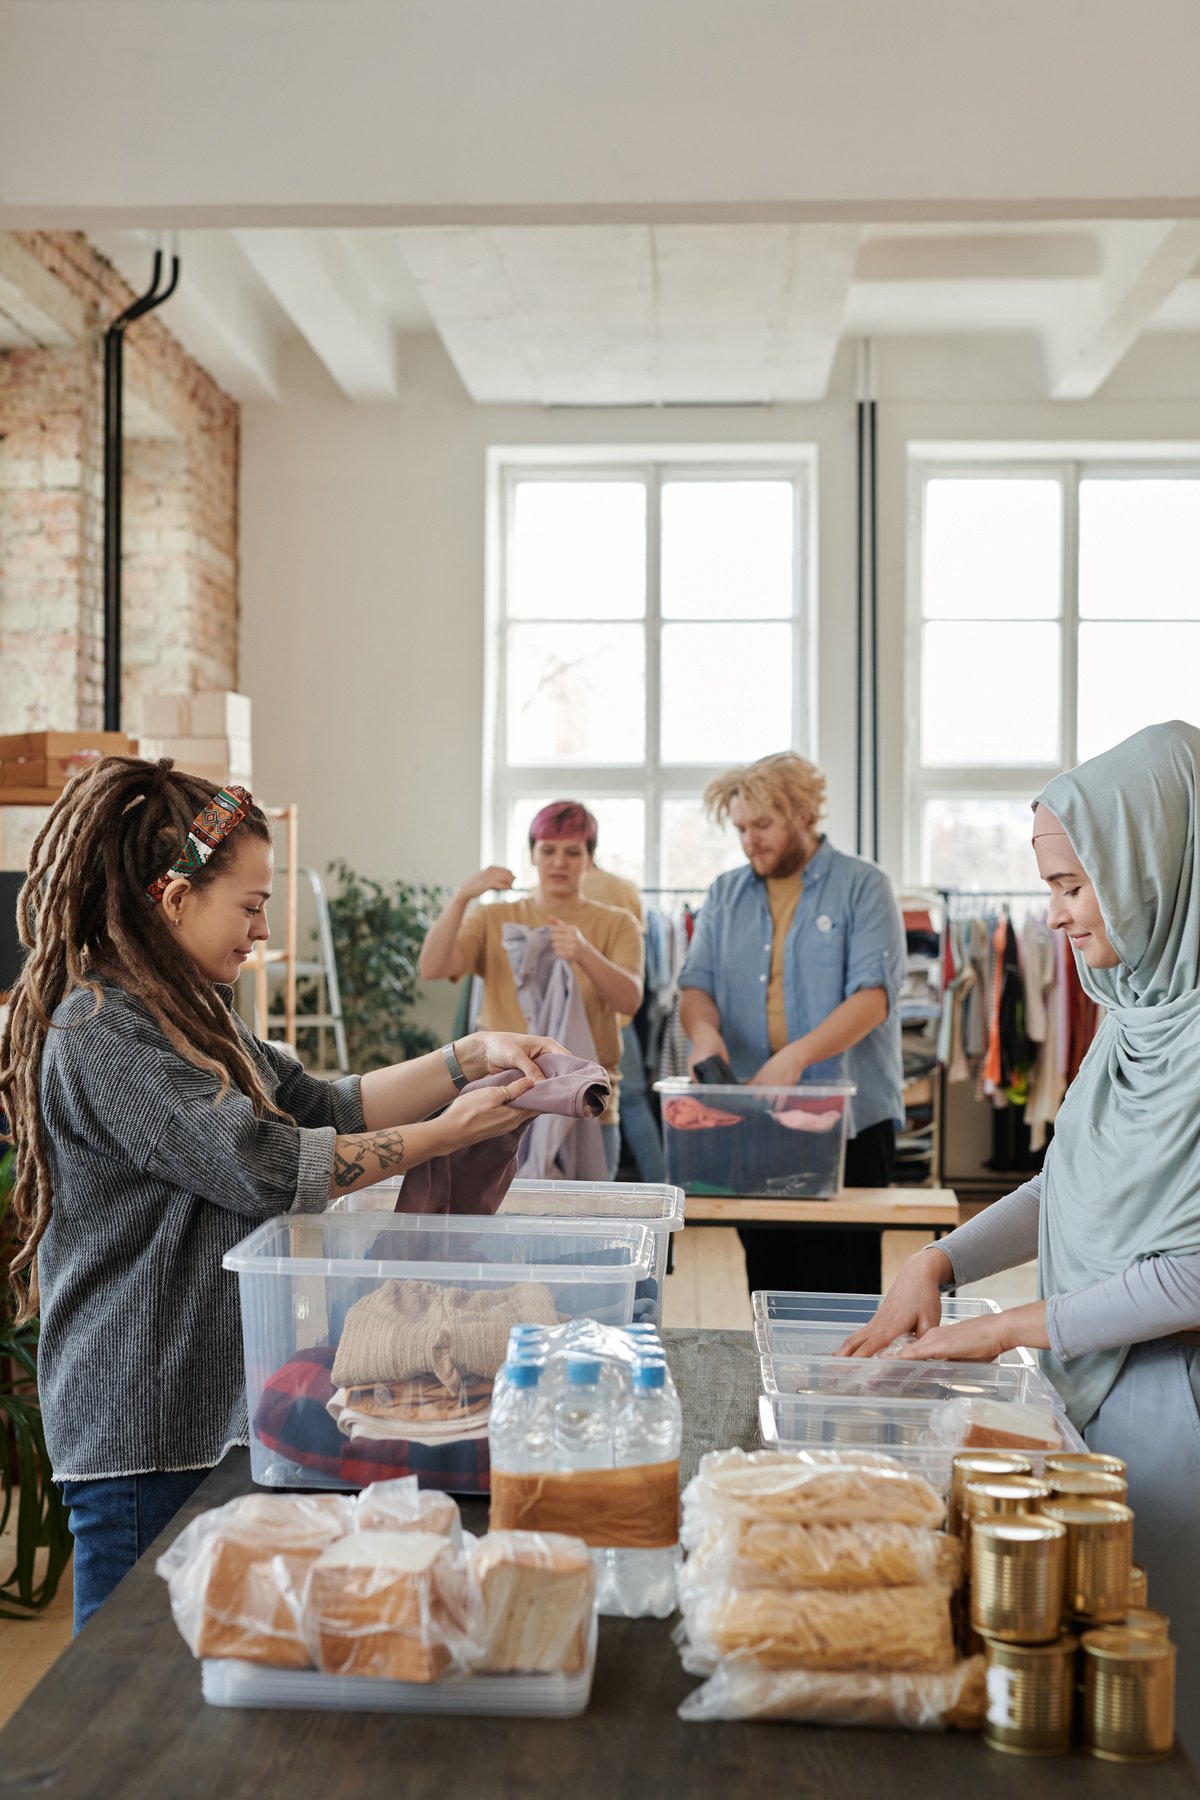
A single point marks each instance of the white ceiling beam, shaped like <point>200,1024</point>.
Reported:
<point>812,319</point>
<point>323,292</point>
<point>1145,264</point>
<point>42,312</point>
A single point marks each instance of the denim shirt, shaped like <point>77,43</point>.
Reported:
<point>847,934</point>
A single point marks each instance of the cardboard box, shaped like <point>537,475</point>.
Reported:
<point>167,715</point>
<point>46,745</point>
<point>220,714</point>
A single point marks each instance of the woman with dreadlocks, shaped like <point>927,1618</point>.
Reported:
<point>153,1131</point>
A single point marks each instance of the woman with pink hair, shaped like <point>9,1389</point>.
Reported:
<point>603,944</point>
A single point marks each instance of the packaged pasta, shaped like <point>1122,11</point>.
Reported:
<point>869,1628</point>
<point>950,1699</point>
<point>749,1553</point>
<point>803,1487</point>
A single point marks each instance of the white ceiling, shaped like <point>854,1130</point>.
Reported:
<point>604,315</point>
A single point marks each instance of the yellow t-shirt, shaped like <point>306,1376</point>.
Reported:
<point>611,929</point>
<point>613,890</point>
<point>783,897</point>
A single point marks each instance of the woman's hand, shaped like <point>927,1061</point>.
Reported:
<point>488,1052</point>
<point>493,878</point>
<point>970,1340</point>
<point>567,941</point>
<point>487,1114</point>
<point>784,1069</point>
<point>912,1303</point>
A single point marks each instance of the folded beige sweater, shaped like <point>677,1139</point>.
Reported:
<point>407,1328</point>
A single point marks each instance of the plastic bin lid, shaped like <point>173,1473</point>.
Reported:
<point>676,1085</point>
<point>653,1203</point>
<point>267,1251</point>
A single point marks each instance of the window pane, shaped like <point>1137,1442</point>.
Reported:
<point>1139,549</point>
<point>620,847</point>
<point>576,693</point>
<point>989,694</point>
<point>695,851</point>
<point>983,844</point>
<point>726,692</point>
<point>992,549</point>
<point>1135,675</point>
<point>727,549</point>
<point>578,550</point>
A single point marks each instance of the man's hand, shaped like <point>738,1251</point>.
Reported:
<point>706,1042</point>
<point>567,941</point>
<point>784,1069</point>
<point>489,880</point>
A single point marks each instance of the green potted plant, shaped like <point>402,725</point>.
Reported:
<point>26,1487</point>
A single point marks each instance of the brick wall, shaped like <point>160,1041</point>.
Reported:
<point>180,570</point>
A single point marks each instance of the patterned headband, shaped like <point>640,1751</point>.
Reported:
<point>221,815</point>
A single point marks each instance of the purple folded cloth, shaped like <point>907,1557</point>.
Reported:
<point>476,1178</point>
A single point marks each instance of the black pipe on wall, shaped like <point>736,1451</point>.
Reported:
<point>114,446</point>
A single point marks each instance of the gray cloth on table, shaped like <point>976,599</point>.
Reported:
<point>1153,1298</point>
<point>140,1360</point>
<point>558,1147</point>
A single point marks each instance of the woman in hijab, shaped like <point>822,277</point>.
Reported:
<point>1114,1218</point>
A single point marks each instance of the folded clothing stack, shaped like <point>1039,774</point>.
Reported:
<point>383,1585</point>
<point>818,1587</point>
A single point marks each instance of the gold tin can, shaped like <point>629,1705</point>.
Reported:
<point>1147,1622</point>
<point>1099,1556</point>
<point>1139,1586</point>
<point>1002,1498</point>
<point>1063,1460</point>
<point>1088,1484</point>
<point>980,1465</point>
<point>1030,1697</point>
<point>1128,1696</point>
<point>1017,1573</point>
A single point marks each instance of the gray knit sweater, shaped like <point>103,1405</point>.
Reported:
<point>140,1364</point>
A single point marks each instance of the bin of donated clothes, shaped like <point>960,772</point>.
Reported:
<point>784,1143</point>
<point>371,1343</point>
<point>653,1204</point>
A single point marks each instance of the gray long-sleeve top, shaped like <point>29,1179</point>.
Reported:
<point>1153,1298</point>
<point>140,1358</point>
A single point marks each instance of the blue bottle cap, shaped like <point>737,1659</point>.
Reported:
<point>582,1371</point>
<point>524,1374</point>
<point>650,1375</point>
<point>524,1331</point>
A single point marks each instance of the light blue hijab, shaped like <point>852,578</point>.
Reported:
<point>1122,1175</point>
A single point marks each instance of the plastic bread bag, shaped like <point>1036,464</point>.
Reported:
<point>225,1569</point>
<point>404,1505</point>
<point>805,1487</point>
<point>994,1425</point>
<point>951,1700</point>
<point>903,1628</point>
<point>396,1605</point>
<point>535,1594</point>
<point>749,1553</point>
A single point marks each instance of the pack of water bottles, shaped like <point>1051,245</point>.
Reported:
<point>584,1438</point>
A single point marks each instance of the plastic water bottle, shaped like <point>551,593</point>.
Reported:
<point>583,1439</point>
<point>520,1436</point>
<point>649,1429</point>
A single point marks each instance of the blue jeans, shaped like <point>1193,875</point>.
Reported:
<point>638,1124</point>
<point>610,1136</point>
<point>115,1520</point>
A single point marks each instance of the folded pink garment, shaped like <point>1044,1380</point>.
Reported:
<point>476,1178</point>
<point>807,1121</point>
<point>693,1115</point>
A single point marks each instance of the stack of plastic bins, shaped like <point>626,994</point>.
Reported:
<point>659,1208</point>
<point>784,1143</point>
<point>905,1429</point>
<point>299,1275</point>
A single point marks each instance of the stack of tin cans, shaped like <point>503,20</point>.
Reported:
<point>1073,1650</point>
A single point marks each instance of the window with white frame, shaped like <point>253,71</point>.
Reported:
<point>1056,609</point>
<point>651,626</point>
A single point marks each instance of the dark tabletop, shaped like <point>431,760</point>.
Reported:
<point>120,1715</point>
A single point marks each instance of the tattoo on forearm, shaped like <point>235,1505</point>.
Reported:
<point>350,1164</point>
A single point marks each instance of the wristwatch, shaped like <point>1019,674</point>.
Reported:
<point>454,1067</point>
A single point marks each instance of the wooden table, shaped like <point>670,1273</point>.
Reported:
<point>120,1714</point>
<point>866,1209</point>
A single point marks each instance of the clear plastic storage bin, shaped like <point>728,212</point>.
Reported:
<point>888,1378</point>
<point>799,1324</point>
<point>227,1683</point>
<point>785,1143</point>
<point>658,1207</point>
<point>300,1274</point>
<point>901,1428</point>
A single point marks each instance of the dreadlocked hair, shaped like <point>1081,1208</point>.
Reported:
<point>85,918</point>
